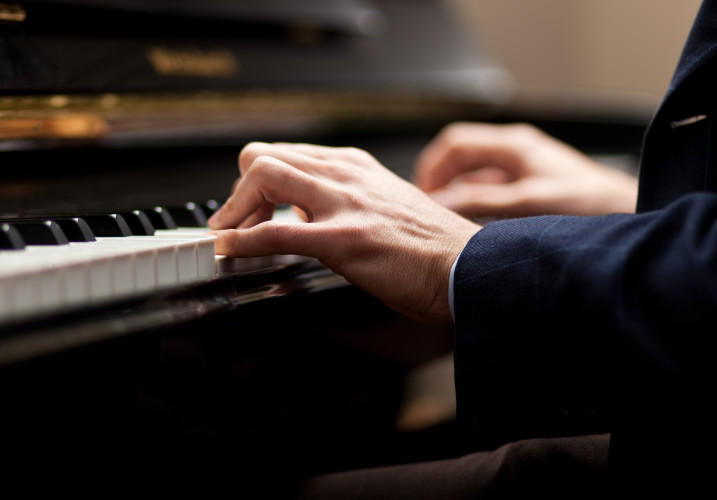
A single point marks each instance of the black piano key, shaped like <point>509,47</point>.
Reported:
<point>188,215</point>
<point>76,229</point>
<point>209,207</point>
<point>10,238</point>
<point>108,225</point>
<point>160,218</point>
<point>45,232</point>
<point>138,223</point>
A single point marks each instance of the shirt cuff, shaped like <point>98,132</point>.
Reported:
<point>450,288</point>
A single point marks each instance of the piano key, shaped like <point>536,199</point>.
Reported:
<point>40,232</point>
<point>206,266</point>
<point>73,228</point>
<point>160,218</point>
<point>186,261</point>
<point>44,278</point>
<point>38,276</point>
<point>137,274</point>
<point>209,207</point>
<point>138,222</point>
<point>10,238</point>
<point>76,229</point>
<point>188,215</point>
<point>108,225</point>
<point>20,287</point>
<point>43,263</point>
<point>164,256</point>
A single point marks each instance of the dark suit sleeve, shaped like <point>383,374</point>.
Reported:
<point>620,304</point>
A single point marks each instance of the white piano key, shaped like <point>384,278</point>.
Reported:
<point>5,294</point>
<point>35,283</point>
<point>4,300</point>
<point>45,278</point>
<point>51,294</point>
<point>124,281</point>
<point>205,258</point>
<point>146,269</point>
<point>160,254</point>
<point>186,261</point>
<point>19,284</point>
<point>77,288</point>
<point>100,279</point>
<point>202,248</point>
<point>186,232</point>
<point>25,292</point>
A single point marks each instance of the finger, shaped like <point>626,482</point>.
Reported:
<point>269,181</point>
<point>271,238</point>
<point>264,213</point>
<point>466,147</point>
<point>305,157</point>
<point>484,175</point>
<point>447,164</point>
<point>479,200</point>
<point>311,158</point>
<point>314,150</point>
<point>323,152</point>
<point>235,185</point>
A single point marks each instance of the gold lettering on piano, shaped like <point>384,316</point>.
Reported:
<point>218,63</point>
<point>12,13</point>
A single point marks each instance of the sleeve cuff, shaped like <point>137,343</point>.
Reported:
<point>451,280</point>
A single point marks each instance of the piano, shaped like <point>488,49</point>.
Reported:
<point>122,335</point>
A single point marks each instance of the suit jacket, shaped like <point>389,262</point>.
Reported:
<point>573,324</point>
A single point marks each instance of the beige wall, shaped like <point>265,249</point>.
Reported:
<point>613,45</point>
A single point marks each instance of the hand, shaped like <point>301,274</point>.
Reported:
<point>362,221</point>
<point>517,170</point>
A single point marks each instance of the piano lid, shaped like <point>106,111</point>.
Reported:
<point>357,17</point>
<point>206,70</point>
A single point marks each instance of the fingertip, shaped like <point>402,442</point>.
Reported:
<point>225,242</point>
<point>216,221</point>
<point>212,221</point>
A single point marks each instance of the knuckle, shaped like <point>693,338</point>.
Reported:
<point>281,238</point>
<point>263,166</point>
<point>523,132</point>
<point>357,154</point>
<point>452,133</point>
<point>249,152</point>
<point>459,135</point>
<point>272,235</point>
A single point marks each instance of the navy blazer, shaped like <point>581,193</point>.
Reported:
<point>571,323</point>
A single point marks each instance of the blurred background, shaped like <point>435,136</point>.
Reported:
<point>612,50</point>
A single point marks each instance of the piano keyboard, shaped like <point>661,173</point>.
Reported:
<point>48,265</point>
